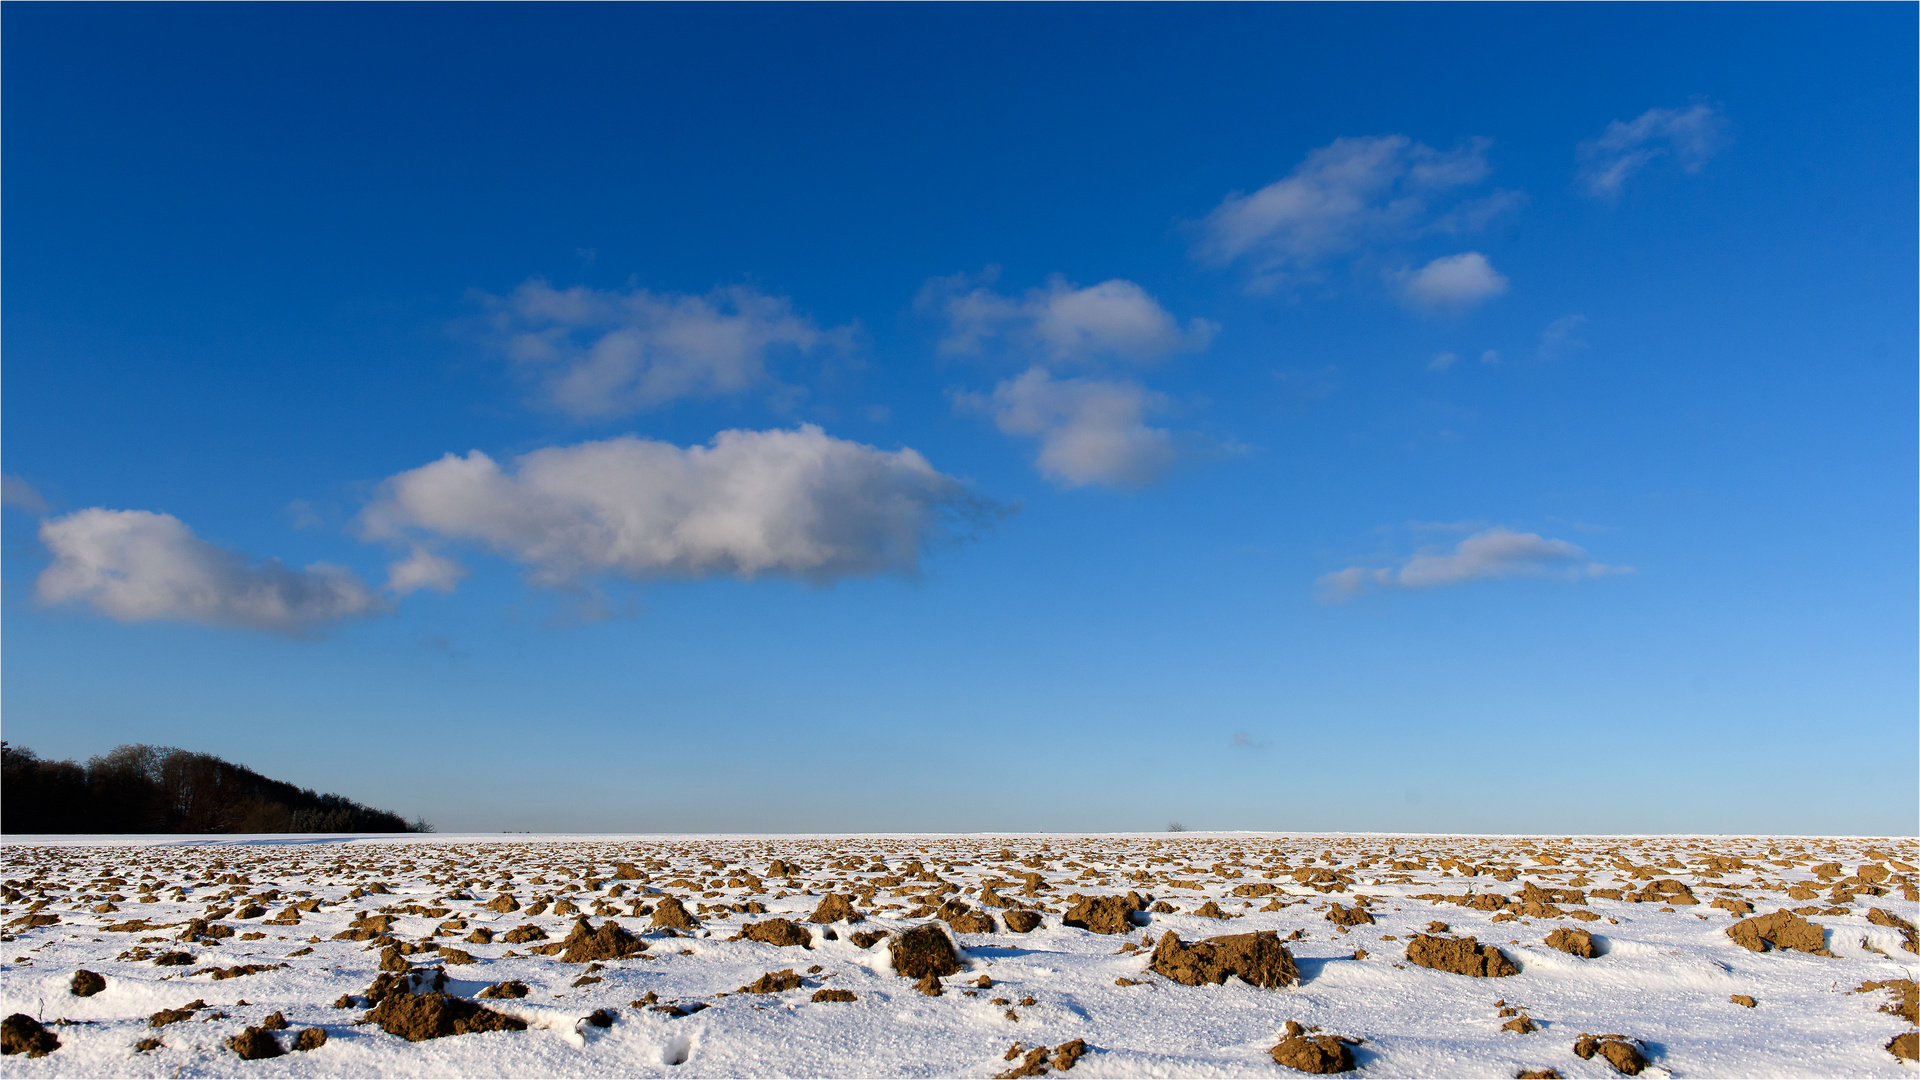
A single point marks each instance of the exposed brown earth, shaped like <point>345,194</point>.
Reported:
<point>1257,958</point>
<point>1460,955</point>
<point>418,1017</point>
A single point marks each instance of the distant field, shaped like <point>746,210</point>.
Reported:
<point>713,956</point>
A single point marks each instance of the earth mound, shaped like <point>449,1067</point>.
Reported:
<point>922,951</point>
<point>783,932</point>
<point>833,908</point>
<point>255,1044</point>
<point>834,995</point>
<point>1314,1054</point>
<point>310,1039</point>
<point>1103,914</point>
<point>611,942</point>
<point>1460,955</point>
<point>419,1017</point>
<point>1353,916</point>
<point>1021,921</point>
<point>1573,942</point>
<point>1615,1050</point>
<point>670,914</point>
<point>86,983</point>
<point>964,920</point>
<point>773,982</point>
<point>22,1034</point>
<point>512,988</point>
<point>1257,958</point>
<point>1780,930</point>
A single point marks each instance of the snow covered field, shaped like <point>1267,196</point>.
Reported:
<point>315,919</point>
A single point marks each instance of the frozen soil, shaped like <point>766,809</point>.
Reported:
<point>637,964</point>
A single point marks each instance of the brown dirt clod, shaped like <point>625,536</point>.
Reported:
<point>255,1044</point>
<point>1353,916</point>
<point>418,1017</point>
<point>671,914</point>
<point>774,982</point>
<point>1905,1047</point>
<point>834,995</point>
<point>1572,942</point>
<point>86,983</point>
<point>922,951</point>
<point>1313,1054</point>
<point>275,1021</point>
<point>833,908</point>
<point>1258,958</point>
<point>1780,930</point>
<point>1103,914</point>
<point>1745,1001</point>
<point>782,932</point>
<point>1021,921</point>
<point>1460,955</point>
<point>22,1034</point>
<point>512,988</point>
<point>1615,1050</point>
<point>611,942</point>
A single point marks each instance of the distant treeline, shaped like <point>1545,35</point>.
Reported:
<point>162,789</point>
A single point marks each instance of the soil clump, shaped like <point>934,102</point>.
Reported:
<point>670,914</point>
<point>1780,930</point>
<point>783,932</point>
<point>1021,921</point>
<point>611,942</point>
<point>22,1034</point>
<point>774,982</point>
<point>1573,942</point>
<point>833,908</point>
<point>255,1044</point>
<point>1615,1050</point>
<point>86,984</point>
<point>1258,958</point>
<point>923,951</point>
<point>418,1017</point>
<point>1460,955</point>
<point>1104,914</point>
<point>1313,1054</point>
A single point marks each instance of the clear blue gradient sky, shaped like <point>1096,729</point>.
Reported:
<point>1493,418</point>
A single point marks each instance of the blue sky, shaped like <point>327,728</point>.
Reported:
<point>961,418</point>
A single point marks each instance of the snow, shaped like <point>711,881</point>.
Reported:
<point>1664,976</point>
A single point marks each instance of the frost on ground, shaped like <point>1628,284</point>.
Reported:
<point>1129,955</point>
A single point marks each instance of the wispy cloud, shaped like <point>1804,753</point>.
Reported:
<point>1091,431</point>
<point>1346,197</point>
<point>1453,283</point>
<point>783,503</point>
<point>1061,322</point>
<point>139,566</point>
<point>598,353</point>
<point>1488,555</point>
<point>20,495</point>
<point>1242,740</point>
<point>1562,336</point>
<point>1688,136</point>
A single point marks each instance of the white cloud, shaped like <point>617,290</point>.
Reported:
<point>1441,361</point>
<point>1091,431</point>
<point>1562,335</point>
<point>1690,136</point>
<point>422,569</point>
<point>602,353</point>
<point>752,504</point>
<point>20,495</point>
<point>1454,282</point>
<point>1347,196</point>
<point>136,566</point>
<point>1062,322</point>
<point>1488,555</point>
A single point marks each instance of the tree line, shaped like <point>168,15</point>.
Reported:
<point>163,789</point>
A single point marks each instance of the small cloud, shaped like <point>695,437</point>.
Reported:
<point>1562,336</point>
<point>302,515</point>
<point>424,570</point>
<point>1689,136</point>
<point>1243,741</point>
<point>1441,361</point>
<point>1488,555</point>
<point>20,495</point>
<point>599,354</point>
<point>1491,356</point>
<point>1453,283</point>
<point>1345,198</point>
<point>1062,322</point>
<point>138,566</point>
<point>1091,431</point>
